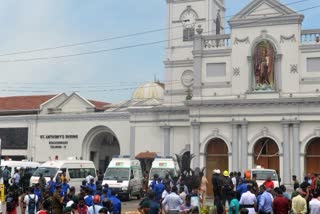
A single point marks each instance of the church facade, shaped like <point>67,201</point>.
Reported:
<point>238,100</point>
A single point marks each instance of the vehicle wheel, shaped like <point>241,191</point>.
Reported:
<point>140,195</point>
<point>129,196</point>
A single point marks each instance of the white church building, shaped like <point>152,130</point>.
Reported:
<point>234,100</point>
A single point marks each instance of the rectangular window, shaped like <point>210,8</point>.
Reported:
<point>188,34</point>
<point>81,172</point>
<point>313,64</point>
<point>216,69</point>
<point>14,138</point>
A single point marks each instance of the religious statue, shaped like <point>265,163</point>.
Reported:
<point>264,67</point>
<point>218,23</point>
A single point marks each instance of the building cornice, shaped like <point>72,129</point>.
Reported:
<point>178,63</point>
<point>217,52</point>
<point>309,48</point>
<point>246,102</point>
<point>71,117</point>
<point>269,21</point>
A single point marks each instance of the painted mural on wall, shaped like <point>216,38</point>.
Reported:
<point>264,67</point>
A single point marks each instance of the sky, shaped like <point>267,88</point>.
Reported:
<point>109,76</point>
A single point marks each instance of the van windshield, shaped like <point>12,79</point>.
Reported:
<point>117,174</point>
<point>46,171</point>
<point>262,175</point>
<point>161,172</point>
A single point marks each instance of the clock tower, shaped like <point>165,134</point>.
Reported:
<point>183,18</point>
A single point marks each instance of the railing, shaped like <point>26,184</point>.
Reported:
<point>216,41</point>
<point>310,36</point>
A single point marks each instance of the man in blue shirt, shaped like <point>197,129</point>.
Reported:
<point>116,203</point>
<point>265,202</point>
<point>241,188</point>
<point>92,186</point>
<point>64,187</point>
<point>51,185</point>
<point>159,188</point>
<point>106,189</point>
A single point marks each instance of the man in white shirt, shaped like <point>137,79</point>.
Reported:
<point>248,200</point>
<point>16,177</point>
<point>314,204</point>
<point>173,201</point>
<point>30,200</point>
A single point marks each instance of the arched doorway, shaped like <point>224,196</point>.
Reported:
<point>99,146</point>
<point>312,157</point>
<point>217,158</point>
<point>266,154</point>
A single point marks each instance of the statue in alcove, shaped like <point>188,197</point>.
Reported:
<point>264,67</point>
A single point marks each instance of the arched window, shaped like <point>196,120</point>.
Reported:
<point>264,66</point>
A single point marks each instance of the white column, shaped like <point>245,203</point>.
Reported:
<point>166,140</point>
<point>197,65</point>
<point>132,141</point>
<point>235,146</point>
<point>296,150</point>
<point>286,154</point>
<point>195,149</point>
<point>244,146</point>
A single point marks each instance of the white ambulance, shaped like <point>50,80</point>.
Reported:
<point>124,177</point>
<point>24,164</point>
<point>262,174</point>
<point>76,171</point>
<point>163,166</point>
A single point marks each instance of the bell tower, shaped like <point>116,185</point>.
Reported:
<point>183,18</point>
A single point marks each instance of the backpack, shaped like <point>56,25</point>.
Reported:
<point>10,203</point>
<point>32,205</point>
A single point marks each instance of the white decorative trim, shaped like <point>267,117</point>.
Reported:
<point>306,140</point>
<point>244,40</point>
<point>264,134</point>
<point>291,38</point>
<point>236,71</point>
<point>294,69</point>
<point>178,63</point>
<point>206,140</point>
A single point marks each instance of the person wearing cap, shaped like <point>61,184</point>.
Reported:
<point>248,200</point>
<point>227,186</point>
<point>299,204</point>
<point>57,201</point>
<point>295,182</point>
<point>96,205</point>
<point>88,198</point>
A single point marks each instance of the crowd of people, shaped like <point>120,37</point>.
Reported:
<point>58,197</point>
<point>241,194</point>
<point>234,193</point>
<point>174,195</point>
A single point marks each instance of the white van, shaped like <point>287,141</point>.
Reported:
<point>76,171</point>
<point>262,175</point>
<point>12,165</point>
<point>124,176</point>
<point>163,166</point>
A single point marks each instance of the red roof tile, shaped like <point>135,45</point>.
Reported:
<point>99,105</point>
<point>23,102</point>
